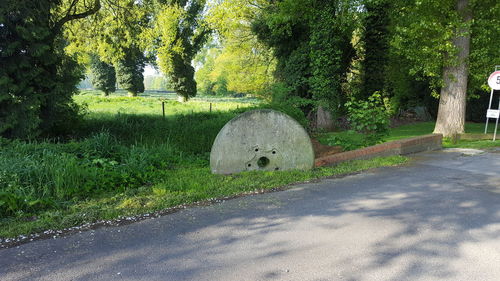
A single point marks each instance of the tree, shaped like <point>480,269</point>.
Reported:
<point>376,45</point>
<point>118,34</point>
<point>441,41</point>
<point>453,96</point>
<point>103,76</point>
<point>129,72</point>
<point>236,57</point>
<point>179,33</point>
<point>313,48</point>
<point>37,79</point>
<point>331,52</point>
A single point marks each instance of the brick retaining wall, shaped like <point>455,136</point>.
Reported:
<point>398,147</point>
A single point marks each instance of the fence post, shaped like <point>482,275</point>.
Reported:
<point>210,107</point>
<point>163,108</point>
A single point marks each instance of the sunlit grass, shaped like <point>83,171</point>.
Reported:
<point>351,140</point>
<point>126,159</point>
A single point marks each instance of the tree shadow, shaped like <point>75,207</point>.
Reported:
<point>407,223</point>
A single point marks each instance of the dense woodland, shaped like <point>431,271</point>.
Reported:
<point>319,56</point>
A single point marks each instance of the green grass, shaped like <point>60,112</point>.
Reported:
<point>151,103</point>
<point>174,187</point>
<point>350,140</point>
<point>126,159</point>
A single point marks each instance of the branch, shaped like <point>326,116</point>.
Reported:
<point>69,16</point>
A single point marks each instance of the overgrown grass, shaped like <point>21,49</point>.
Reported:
<point>350,140</point>
<point>173,187</point>
<point>121,163</point>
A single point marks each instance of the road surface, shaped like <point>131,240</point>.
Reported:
<point>437,218</point>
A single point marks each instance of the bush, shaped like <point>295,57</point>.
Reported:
<point>369,117</point>
<point>283,100</point>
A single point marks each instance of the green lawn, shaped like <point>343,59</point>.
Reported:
<point>151,103</point>
<point>126,159</point>
<point>352,140</point>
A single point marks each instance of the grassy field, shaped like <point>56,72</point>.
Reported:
<point>126,159</point>
<point>350,140</point>
<point>150,103</point>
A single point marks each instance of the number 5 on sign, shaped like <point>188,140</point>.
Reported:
<point>494,83</point>
<point>494,80</point>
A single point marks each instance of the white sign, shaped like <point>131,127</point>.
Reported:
<point>494,80</point>
<point>493,113</point>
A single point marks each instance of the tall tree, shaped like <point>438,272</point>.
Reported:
<point>129,72</point>
<point>118,33</point>
<point>453,95</point>
<point>312,42</point>
<point>180,32</point>
<point>37,79</point>
<point>376,45</point>
<point>441,40</point>
<point>235,56</point>
<point>102,76</point>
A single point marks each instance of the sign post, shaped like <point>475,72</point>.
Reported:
<point>494,83</point>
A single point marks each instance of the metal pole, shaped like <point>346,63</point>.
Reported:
<point>163,108</point>
<point>496,125</point>
<point>489,107</point>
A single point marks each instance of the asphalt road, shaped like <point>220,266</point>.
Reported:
<point>437,218</point>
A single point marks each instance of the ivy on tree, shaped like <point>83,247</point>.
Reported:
<point>37,79</point>
<point>313,49</point>
<point>180,33</point>
<point>376,45</point>
<point>129,72</point>
<point>103,76</point>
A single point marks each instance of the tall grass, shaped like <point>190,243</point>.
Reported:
<point>112,153</point>
<point>122,163</point>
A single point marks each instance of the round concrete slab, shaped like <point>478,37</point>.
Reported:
<point>265,140</point>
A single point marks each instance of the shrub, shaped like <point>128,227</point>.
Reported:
<point>369,117</point>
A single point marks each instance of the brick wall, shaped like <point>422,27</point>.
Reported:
<point>399,147</point>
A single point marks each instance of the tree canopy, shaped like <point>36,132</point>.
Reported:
<point>300,53</point>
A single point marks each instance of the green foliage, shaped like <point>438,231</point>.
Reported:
<point>376,44</point>
<point>235,55</point>
<point>37,79</point>
<point>129,72</point>
<point>312,46</point>
<point>423,32</point>
<point>331,53</point>
<point>157,83</point>
<point>369,117</point>
<point>103,76</point>
<point>179,33</point>
<point>281,100</point>
<point>118,27</point>
<point>112,156</point>
<point>37,176</point>
<point>348,140</point>
<point>118,35</point>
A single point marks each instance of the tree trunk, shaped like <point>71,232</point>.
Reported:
<point>182,98</point>
<point>453,96</point>
<point>132,94</point>
<point>324,119</point>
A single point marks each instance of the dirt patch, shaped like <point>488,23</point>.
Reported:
<point>322,150</point>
